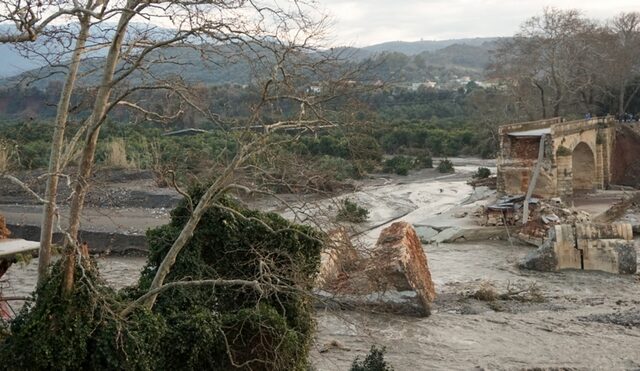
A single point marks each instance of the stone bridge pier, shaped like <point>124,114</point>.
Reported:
<point>577,156</point>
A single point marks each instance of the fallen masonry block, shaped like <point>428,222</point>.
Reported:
<point>339,256</point>
<point>4,231</point>
<point>599,247</point>
<point>394,277</point>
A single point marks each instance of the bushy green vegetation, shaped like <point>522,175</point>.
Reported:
<point>374,361</point>
<point>350,211</point>
<point>482,173</point>
<point>445,166</point>
<point>563,151</point>
<point>417,124</point>
<point>399,165</point>
<point>190,327</point>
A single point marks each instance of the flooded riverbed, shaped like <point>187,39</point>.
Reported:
<point>580,320</point>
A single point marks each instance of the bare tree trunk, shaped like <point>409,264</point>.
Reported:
<point>631,96</point>
<point>542,100</point>
<point>89,149</point>
<point>57,142</point>
<point>621,107</point>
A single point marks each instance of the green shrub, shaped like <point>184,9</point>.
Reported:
<point>352,212</point>
<point>445,166</point>
<point>399,165</point>
<point>335,167</point>
<point>482,173</point>
<point>232,242</point>
<point>563,151</point>
<point>423,161</point>
<point>203,327</point>
<point>374,361</point>
<point>56,331</point>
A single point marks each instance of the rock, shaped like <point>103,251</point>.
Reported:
<point>541,259</point>
<point>400,262</point>
<point>426,233</point>
<point>448,235</point>
<point>627,258</point>
<point>550,218</point>
<point>460,215</point>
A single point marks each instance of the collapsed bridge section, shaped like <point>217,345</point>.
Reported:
<point>575,156</point>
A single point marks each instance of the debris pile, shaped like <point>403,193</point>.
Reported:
<point>394,277</point>
<point>543,215</point>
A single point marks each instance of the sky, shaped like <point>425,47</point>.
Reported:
<point>367,22</point>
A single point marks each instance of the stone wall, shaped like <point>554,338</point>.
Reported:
<point>598,247</point>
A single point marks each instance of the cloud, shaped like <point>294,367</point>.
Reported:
<point>365,22</point>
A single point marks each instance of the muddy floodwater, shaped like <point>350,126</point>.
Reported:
<point>575,320</point>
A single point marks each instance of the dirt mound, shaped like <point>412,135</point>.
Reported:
<point>625,167</point>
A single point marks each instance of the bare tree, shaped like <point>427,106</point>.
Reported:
<point>623,62</point>
<point>549,56</point>
<point>278,41</point>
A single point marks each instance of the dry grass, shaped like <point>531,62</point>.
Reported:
<point>116,155</point>
<point>487,292</point>
<point>5,156</point>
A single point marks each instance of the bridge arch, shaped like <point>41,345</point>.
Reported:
<point>583,167</point>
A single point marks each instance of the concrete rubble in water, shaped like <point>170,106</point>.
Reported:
<point>394,277</point>
<point>598,247</point>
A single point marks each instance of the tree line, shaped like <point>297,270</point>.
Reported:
<point>563,63</point>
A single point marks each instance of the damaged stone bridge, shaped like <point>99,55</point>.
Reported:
<point>576,156</point>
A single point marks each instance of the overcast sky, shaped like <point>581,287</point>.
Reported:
<point>366,22</point>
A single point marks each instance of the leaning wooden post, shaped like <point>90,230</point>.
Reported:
<point>532,183</point>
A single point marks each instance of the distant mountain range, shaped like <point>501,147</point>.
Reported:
<point>398,60</point>
<point>12,63</point>
<point>417,47</point>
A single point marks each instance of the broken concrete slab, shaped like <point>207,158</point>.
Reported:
<point>455,234</point>
<point>600,247</point>
<point>426,233</point>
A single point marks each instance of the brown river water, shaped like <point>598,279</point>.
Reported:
<point>464,334</point>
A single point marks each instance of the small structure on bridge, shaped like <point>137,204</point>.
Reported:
<point>577,156</point>
<point>10,249</point>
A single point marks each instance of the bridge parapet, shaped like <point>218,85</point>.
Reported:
<point>530,125</point>
<point>575,126</point>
